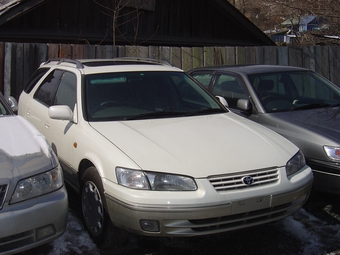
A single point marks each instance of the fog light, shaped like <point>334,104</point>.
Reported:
<point>45,232</point>
<point>150,225</point>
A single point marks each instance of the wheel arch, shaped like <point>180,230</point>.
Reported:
<point>84,164</point>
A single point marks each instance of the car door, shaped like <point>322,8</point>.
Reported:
<point>36,107</point>
<point>58,88</point>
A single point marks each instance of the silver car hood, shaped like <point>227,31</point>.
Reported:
<point>324,121</point>
<point>23,150</point>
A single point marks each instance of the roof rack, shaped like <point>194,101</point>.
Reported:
<point>145,60</point>
<point>79,64</point>
<point>66,60</point>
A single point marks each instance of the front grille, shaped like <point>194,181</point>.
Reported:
<point>234,181</point>
<point>3,191</point>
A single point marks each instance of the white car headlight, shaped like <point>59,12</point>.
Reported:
<point>137,179</point>
<point>38,185</point>
<point>295,163</point>
<point>332,152</point>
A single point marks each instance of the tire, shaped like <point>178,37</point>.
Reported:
<point>94,212</point>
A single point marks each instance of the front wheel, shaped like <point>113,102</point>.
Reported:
<point>94,212</point>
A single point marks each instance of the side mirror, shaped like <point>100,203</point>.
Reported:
<point>222,101</point>
<point>13,103</point>
<point>60,112</point>
<point>244,105</point>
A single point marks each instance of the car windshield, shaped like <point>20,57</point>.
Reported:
<point>291,91</point>
<point>3,107</point>
<point>142,95</point>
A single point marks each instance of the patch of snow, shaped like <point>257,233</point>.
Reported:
<point>75,240</point>
<point>311,231</point>
<point>19,137</point>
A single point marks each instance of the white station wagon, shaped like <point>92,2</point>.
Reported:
<point>152,153</point>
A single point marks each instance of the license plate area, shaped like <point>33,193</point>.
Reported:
<point>251,204</point>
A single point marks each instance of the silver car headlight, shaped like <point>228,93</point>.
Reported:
<point>295,163</point>
<point>332,152</point>
<point>38,185</point>
<point>137,179</point>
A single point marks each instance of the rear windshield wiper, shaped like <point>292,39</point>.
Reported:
<point>206,111</point>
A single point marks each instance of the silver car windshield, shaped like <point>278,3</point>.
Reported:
<point>289,91</point>
<point>3,108</point>
<point>141,95</point>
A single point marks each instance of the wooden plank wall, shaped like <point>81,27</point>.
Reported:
<point>18,61</point>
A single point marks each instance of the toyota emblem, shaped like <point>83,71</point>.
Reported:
<point>248,180</point>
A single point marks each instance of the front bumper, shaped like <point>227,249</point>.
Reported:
<point>194,221</point>
<point>326,175</point>
<point>31,223</point>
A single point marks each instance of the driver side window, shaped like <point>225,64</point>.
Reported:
<point>67,91</point>
<point>230,88</point>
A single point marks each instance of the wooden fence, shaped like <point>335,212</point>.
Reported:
<point>19,60</point>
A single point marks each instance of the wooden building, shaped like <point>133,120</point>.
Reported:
<point>133,22</point>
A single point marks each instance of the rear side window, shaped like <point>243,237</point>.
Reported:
<point>46,92</point>
<point>34,79</point>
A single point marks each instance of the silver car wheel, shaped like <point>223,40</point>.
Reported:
<point>93,209</point>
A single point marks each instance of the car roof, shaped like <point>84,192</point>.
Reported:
<point>125,64</point>
<point>252,69</point>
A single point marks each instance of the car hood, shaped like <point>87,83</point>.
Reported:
<point>325,121</point>
<point>198,146</point>
<point>23,150</point>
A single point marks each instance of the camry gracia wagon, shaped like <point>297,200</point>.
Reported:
<point>152,153</point>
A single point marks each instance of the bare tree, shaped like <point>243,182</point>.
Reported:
<point>113,9</point>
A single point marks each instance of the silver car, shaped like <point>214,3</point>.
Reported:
<point>33,198</point>
<point>295,102</point>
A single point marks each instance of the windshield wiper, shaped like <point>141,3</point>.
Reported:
<point>149,115</point>
<point>205,111</point>
<point>161,114</point>
<point>311,106</point>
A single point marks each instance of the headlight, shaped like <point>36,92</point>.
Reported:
<point>332,152</point>
<point>295,163</point>
<point>38,185</point>
<point>137,179</point>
